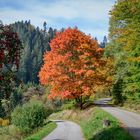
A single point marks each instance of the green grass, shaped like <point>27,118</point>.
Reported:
<point>91,122</point>
<point>93,127</point>
<point>132,105</point>
<point>44,131</point>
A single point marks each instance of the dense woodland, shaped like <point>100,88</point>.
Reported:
<point>56,67</point>
<point>35,42</point>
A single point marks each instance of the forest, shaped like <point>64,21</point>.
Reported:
<point>44,71</point>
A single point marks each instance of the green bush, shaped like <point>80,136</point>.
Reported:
<point>15,98</point>
<point>68,105</point>
<point>29,116</point>
<point>117,91</point>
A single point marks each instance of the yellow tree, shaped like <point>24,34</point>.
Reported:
<point>125,44</point>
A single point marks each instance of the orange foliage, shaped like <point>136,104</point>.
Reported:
<point>72,68</point>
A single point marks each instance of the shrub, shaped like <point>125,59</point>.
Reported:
<point>117,91</point>
<point>68,105</point>
<point>29,116</point>
<point>15,98</point>
<point>4,122</point>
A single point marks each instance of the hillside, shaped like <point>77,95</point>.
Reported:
<point>35,42</point>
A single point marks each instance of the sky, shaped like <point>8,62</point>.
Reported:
<point>90,16</point>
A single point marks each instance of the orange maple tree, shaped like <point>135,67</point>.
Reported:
<point>72,68</point>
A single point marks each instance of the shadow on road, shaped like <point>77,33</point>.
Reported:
<point>113,133</point>
<point>58,120</point>
<point>105,105</point>
<point>103,102</point>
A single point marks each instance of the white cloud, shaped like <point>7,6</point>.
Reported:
<point>39,11</point>
<point>70,9</point>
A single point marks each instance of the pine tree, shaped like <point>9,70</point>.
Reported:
<point>35,43</point>
<point>45,26</point>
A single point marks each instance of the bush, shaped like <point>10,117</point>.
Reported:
<point>117,91</point>
<point>15,98</point>
<point>29,116</point>
<point>4,122</point>
<point>68,105</point>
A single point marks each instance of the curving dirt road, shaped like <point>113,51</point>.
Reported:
<point>130,120</point>
<point>65,130</point>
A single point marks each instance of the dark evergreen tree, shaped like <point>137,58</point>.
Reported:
<point>35,43</point>
<point>15,99</point>
<point>45,26</point>
<point>103,44</point>
<point>105,40</point>
<point>117,91</point>
<point>96,39</point>
<point>50,32</point>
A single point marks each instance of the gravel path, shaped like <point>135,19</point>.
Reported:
<point>130,120</point>
<point>65,130</point>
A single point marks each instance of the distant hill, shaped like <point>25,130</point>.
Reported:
<point>35,42</point>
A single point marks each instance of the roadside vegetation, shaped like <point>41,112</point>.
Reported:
<point>28,118</point>
<point>12,132</point>
<point>44,131</point>
<point>132,105</point>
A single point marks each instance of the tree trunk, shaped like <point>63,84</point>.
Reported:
<point>81,103</point>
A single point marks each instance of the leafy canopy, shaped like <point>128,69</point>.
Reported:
<point>10,47</point>
<point>72,68</point>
